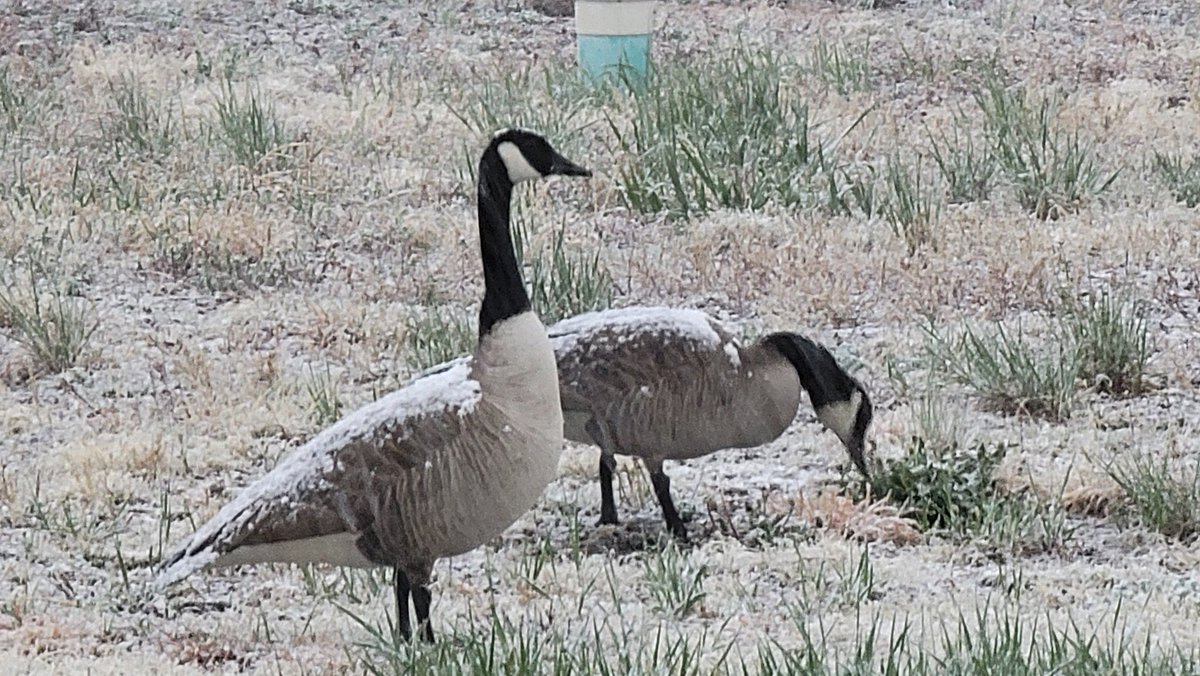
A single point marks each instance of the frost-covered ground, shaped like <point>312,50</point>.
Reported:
<point>223,298</point>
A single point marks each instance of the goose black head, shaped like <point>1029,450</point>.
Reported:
<point>841,402</point>
<point>526,156</point>
<point>849,420</point>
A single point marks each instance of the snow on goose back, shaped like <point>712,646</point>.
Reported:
<point>312,469</point>
<point>575,336</point>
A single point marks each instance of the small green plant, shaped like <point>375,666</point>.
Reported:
<point>941,488</point>
<point>227,65</point>
<point>990,639</point>
<point>437,336</point>
<point>1181,175</point>
<point>347,585</point>
<point>1053,170</point>
<point>536,558</point>
<point>856,579</point>
<point>166,517</point>
<point>18,103</point>
<point>324,402</point>
<point>852,188</point>
<point>1112,339</point>
<point>251,129</point>
<point>1160,497</point>
<point>910,206</point>
<point>43,312</point>
<point>938,422</point>
<point>675,583</point>
<point>1008,370</point>
<point>499,645</point>
<point>125,192</point>
<point>996,641</point>
<point>842,68</point>
<point>968,169</point>
<point>946,486</point>
<point>1022,524</point>
<point>136,124</point>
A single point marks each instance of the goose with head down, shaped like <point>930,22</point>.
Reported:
<point>671,384</point>
<point>431,470</point>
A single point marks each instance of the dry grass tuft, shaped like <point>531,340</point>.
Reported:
<point>100,463</point>
<point>209,654</point>
<point>867,520</point>
<point>1101,500</point>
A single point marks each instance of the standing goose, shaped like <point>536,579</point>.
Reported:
<point>434,469</point>
<point>670,384</point>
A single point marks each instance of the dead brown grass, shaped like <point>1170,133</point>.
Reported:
<point>323,261</point>
<point>866,520</point>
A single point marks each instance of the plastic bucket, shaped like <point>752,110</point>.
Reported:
<point>614,38</point>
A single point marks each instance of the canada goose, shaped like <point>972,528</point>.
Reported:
<point>431,470</point>
<point>671,384</point>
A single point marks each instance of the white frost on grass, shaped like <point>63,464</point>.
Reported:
<point>202,377</point>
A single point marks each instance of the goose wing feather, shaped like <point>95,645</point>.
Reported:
<point>325,486</point>
<point>610,356</point>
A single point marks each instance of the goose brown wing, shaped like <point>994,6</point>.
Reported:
<point>606,357</point>
<point>327,486</point>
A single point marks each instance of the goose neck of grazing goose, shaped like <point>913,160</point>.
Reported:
<point>839,401</point>
<point>504,288</point>
<point>819,374</point>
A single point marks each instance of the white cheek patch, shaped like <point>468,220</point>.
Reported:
<point>839,417</point>
<point>519,168</point>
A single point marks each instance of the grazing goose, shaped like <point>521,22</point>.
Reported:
<point>670,384</point>
<point>431,470</point>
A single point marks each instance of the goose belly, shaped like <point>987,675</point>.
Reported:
<point>676,428</point>
<point>505,489</point>
<point>467,498</point>
<point>681,437</point>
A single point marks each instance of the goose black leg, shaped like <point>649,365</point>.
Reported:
<point>421,599</point>
<point>662,489</point>
<point>403,589</point>
<point>608,505</point>
<point>608,464</point>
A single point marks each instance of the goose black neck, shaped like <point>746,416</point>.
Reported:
<point>504,289</point>
<point>819,372</point>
